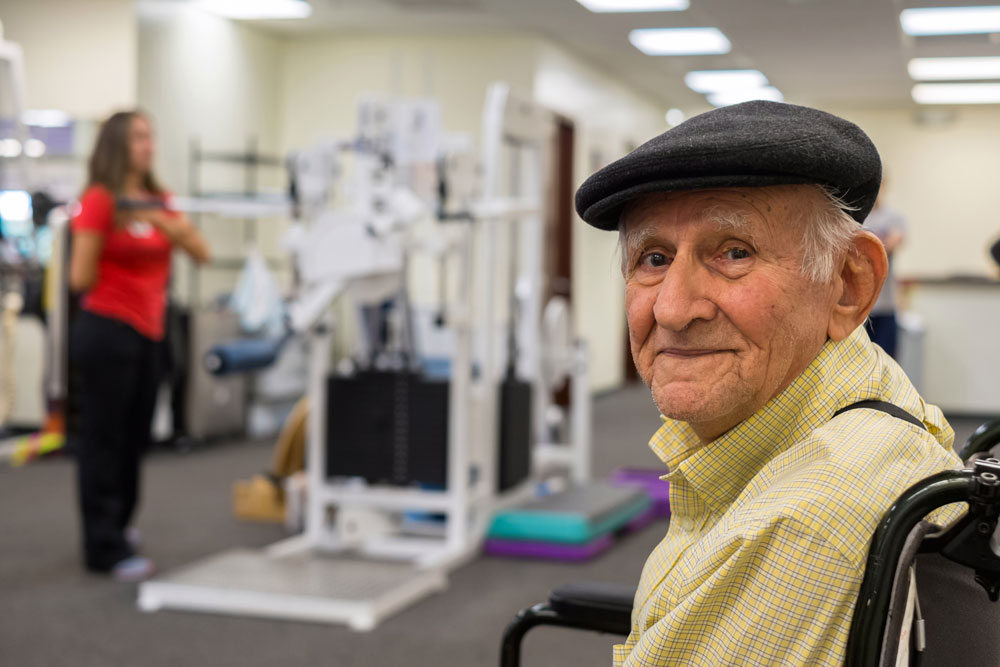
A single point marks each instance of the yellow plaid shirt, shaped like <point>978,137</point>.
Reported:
<point>771,522</point>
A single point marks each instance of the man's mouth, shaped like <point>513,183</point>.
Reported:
<point>685,353</point>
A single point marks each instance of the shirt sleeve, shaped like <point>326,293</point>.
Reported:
<point>97,212</point>
<point>782,597</point>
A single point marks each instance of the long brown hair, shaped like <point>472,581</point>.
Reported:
<point>109,163</point>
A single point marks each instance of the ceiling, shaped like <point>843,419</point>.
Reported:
<point>828,53</point>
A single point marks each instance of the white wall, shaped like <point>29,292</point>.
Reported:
<point>324,76</point>
<point>78,56</point>
<point>943,178</point>
<point>204,76</point>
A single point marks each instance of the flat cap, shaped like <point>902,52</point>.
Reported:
<point>744,145</point>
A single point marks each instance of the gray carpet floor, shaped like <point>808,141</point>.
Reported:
<point>53,614</point>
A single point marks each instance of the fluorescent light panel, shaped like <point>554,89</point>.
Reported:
<point>257,9</point>
<point>954,69</point>
<point>679,41</point>
<point>956,93</point>
<point>9,147</point>
<point>721,80</point>
<point>34,147</point>
<point>609,6</point>
<point>46,118</point>
<point>724,99</point>
<point>950,20</point>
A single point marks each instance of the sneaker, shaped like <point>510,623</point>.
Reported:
<point>133,568</point>
<point>133,536</point>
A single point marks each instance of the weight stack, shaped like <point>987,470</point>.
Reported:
<point>388,428</point>
<point>514,463</point>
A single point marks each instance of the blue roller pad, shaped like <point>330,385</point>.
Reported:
<point>243,355</point>
<point>576,516</point>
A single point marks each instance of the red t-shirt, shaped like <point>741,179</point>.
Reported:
<point>133,268</point>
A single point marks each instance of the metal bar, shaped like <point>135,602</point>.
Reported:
<point>194,190</point>
<point>460,455</point>
<point>985,438</point>
<point>542,614</point>
<point>581,426</point>
<point>870,613</point>
<point>319,361</point>
<point>250,187</point>
<point>241,158</point>
<point>385,498</point>
<point>237,263</point>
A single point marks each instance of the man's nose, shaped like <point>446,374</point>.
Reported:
<point>682,296</point>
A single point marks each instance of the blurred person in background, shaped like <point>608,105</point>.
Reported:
<point>123,236</point>
<point>889,226</point>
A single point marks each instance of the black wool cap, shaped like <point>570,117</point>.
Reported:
<point>744,145</point>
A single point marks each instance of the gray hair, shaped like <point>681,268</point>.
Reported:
<point>826,235</point>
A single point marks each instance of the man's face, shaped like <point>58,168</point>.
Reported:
<point>720,317</point>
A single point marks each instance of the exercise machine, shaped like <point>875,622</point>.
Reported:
<point>378,540</point>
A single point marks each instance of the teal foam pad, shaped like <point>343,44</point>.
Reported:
<point>578,515</point>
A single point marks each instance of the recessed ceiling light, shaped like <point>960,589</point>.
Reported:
<point>941,69</point>
<point>956,93</point>
<point>679,41</point>
<point>257,9</point>
<point>725,98</point>
<point>715,81</point>
<point>34,147</point>
<point>608,6</point>
<point>950,20</point>
<point>10,147</point>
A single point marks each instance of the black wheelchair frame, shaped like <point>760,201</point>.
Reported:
<point>607,608</point>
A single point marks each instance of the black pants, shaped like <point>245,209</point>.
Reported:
<point>119,375</point>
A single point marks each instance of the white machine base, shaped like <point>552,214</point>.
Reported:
<point>302,586</point>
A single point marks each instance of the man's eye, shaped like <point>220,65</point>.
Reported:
<point>736,253</point>
<point>654,259</point>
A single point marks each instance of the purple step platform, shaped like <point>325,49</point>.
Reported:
<point>548,550</point>
<point>657,489</point>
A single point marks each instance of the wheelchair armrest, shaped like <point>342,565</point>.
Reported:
<point>596,604</point>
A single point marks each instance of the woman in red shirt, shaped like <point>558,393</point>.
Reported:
<point>121,261</point>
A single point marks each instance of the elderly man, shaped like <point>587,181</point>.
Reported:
<point>786,432</point>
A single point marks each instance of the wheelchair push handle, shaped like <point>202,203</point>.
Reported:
<point>969,542</point>
<point>985,438</point>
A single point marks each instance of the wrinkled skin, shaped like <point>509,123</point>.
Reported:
<point>720,317</point>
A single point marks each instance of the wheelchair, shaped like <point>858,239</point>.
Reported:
<point>972,543</point>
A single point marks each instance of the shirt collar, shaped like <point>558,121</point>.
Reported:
<point>719,470</point>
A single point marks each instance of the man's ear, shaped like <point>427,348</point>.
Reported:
<point>859,282</point>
